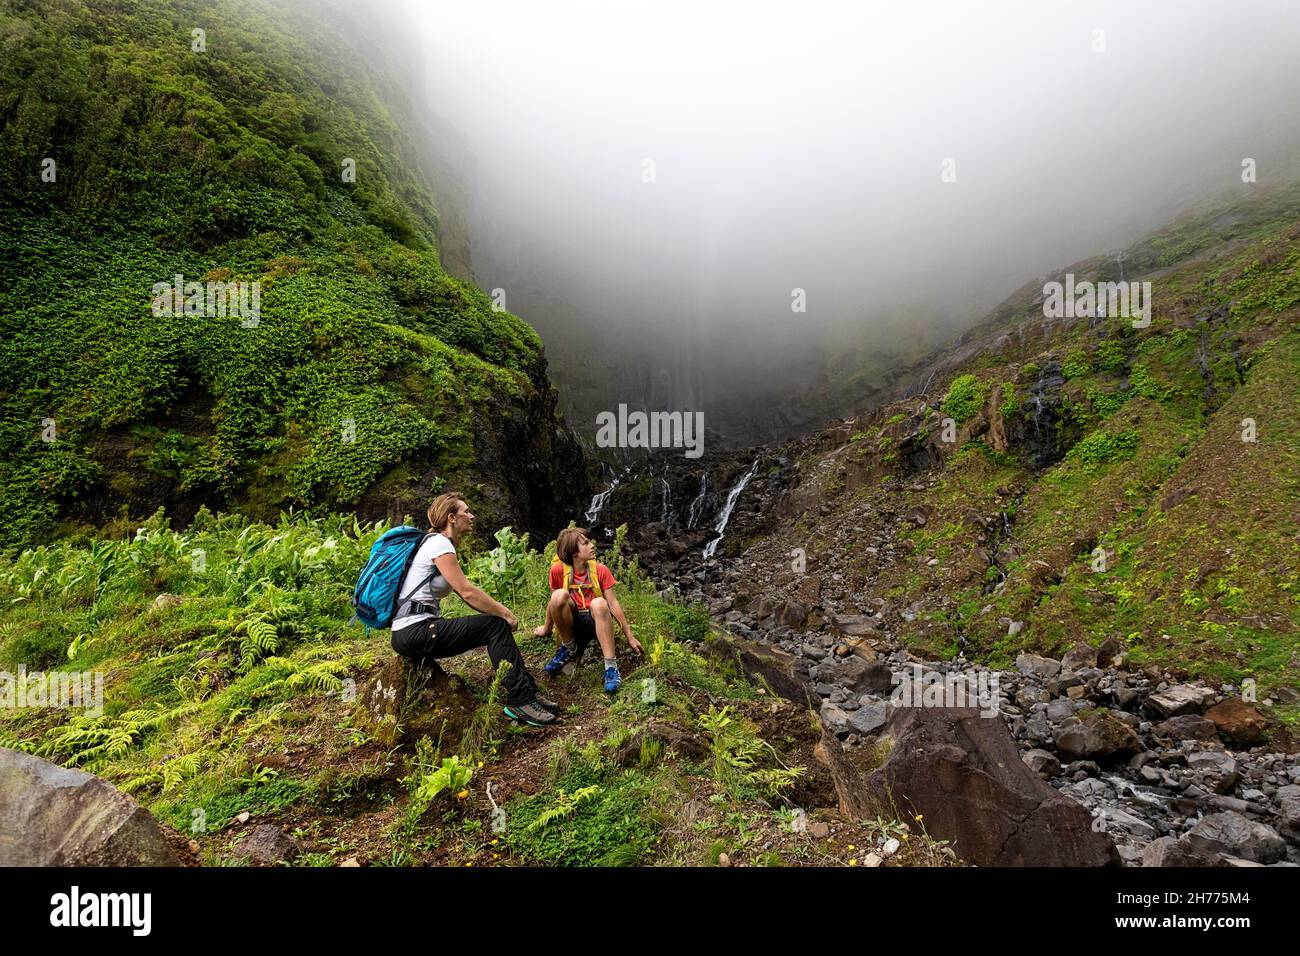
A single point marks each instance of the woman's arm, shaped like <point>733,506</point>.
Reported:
<point>616,609</point>
<point>471,593</point>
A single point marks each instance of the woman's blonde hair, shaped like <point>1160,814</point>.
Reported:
<point>443,507</point>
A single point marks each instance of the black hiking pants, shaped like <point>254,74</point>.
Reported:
<point>432,638</point>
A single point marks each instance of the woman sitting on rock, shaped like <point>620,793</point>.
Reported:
<point>421,634</point>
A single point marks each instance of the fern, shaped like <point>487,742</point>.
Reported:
<point>566,805</point>
<point>260,639</point>
<point>89,741</point>
<point>737,753</point>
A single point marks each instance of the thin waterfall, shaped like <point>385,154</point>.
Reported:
<point>732,496</point>
<point>598,502</point>
<point>693,513</point>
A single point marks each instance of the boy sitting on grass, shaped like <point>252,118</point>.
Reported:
<point>583,606</point>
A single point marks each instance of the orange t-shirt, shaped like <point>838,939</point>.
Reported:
<point>582,593</point>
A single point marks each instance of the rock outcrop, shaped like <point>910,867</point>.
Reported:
<point>961,773</point>
<point>57,816</point>
<point>400,703</point>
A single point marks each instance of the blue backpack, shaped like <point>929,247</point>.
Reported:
<point>376,598</point>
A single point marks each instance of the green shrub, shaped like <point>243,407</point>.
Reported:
<point>966,396</point>
<point>1102,448</point>
<point>1109,356</point>
<point>1076,364</point>
<point>1010,400</point>
<point>1143,383</point>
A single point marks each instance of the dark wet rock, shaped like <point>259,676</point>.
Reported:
<point>1187,727</point>
<point>864,677</point>
<point>268,845</point>
<point>1098,736</point>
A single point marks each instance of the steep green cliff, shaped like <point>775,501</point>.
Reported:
<point>259,150</point>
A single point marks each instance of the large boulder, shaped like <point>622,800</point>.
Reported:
<point>963,774</point>
<point>1216,771</point>
<point>1230,834</point>
<point>853,625</point>
<point>56,816</point>
<point>1180,699</point>
<point>1175,851</point>
<point>1187,727</point>
<point>860,676</point>
<point>1239,722</point>
<point>1098,736</point>
<point>1078,657</point>
<point>401,703</point>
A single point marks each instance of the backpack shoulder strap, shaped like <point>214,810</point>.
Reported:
<point>427,578</point>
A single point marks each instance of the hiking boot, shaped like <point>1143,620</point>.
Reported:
<point>613,680</point>
<point>556,663</point>
<point>547,703</point>
<point>529,714</point>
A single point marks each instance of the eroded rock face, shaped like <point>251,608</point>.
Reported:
<point>401,703</point>
<point>963,774</point>
<point>56,816</point>
<point>769,667</point>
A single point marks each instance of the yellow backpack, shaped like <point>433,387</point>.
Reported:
<point>591,573</point>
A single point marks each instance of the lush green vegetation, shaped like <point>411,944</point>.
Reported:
<point>267,157</point>
<point>230,666</point>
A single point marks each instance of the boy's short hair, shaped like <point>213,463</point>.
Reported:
<point>568,542</point>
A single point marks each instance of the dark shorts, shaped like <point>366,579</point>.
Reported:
<point>584,632</point>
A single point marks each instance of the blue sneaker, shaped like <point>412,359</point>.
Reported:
<point>613,681</point>
<point>556,663</point>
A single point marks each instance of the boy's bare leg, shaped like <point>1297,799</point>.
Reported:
<point>559,611</point>
<point>544,629</point>
<point>600,613</point>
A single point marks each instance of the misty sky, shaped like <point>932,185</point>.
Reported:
<point>800,145</point>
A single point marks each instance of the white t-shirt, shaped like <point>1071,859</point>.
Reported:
<point>433,590</point>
